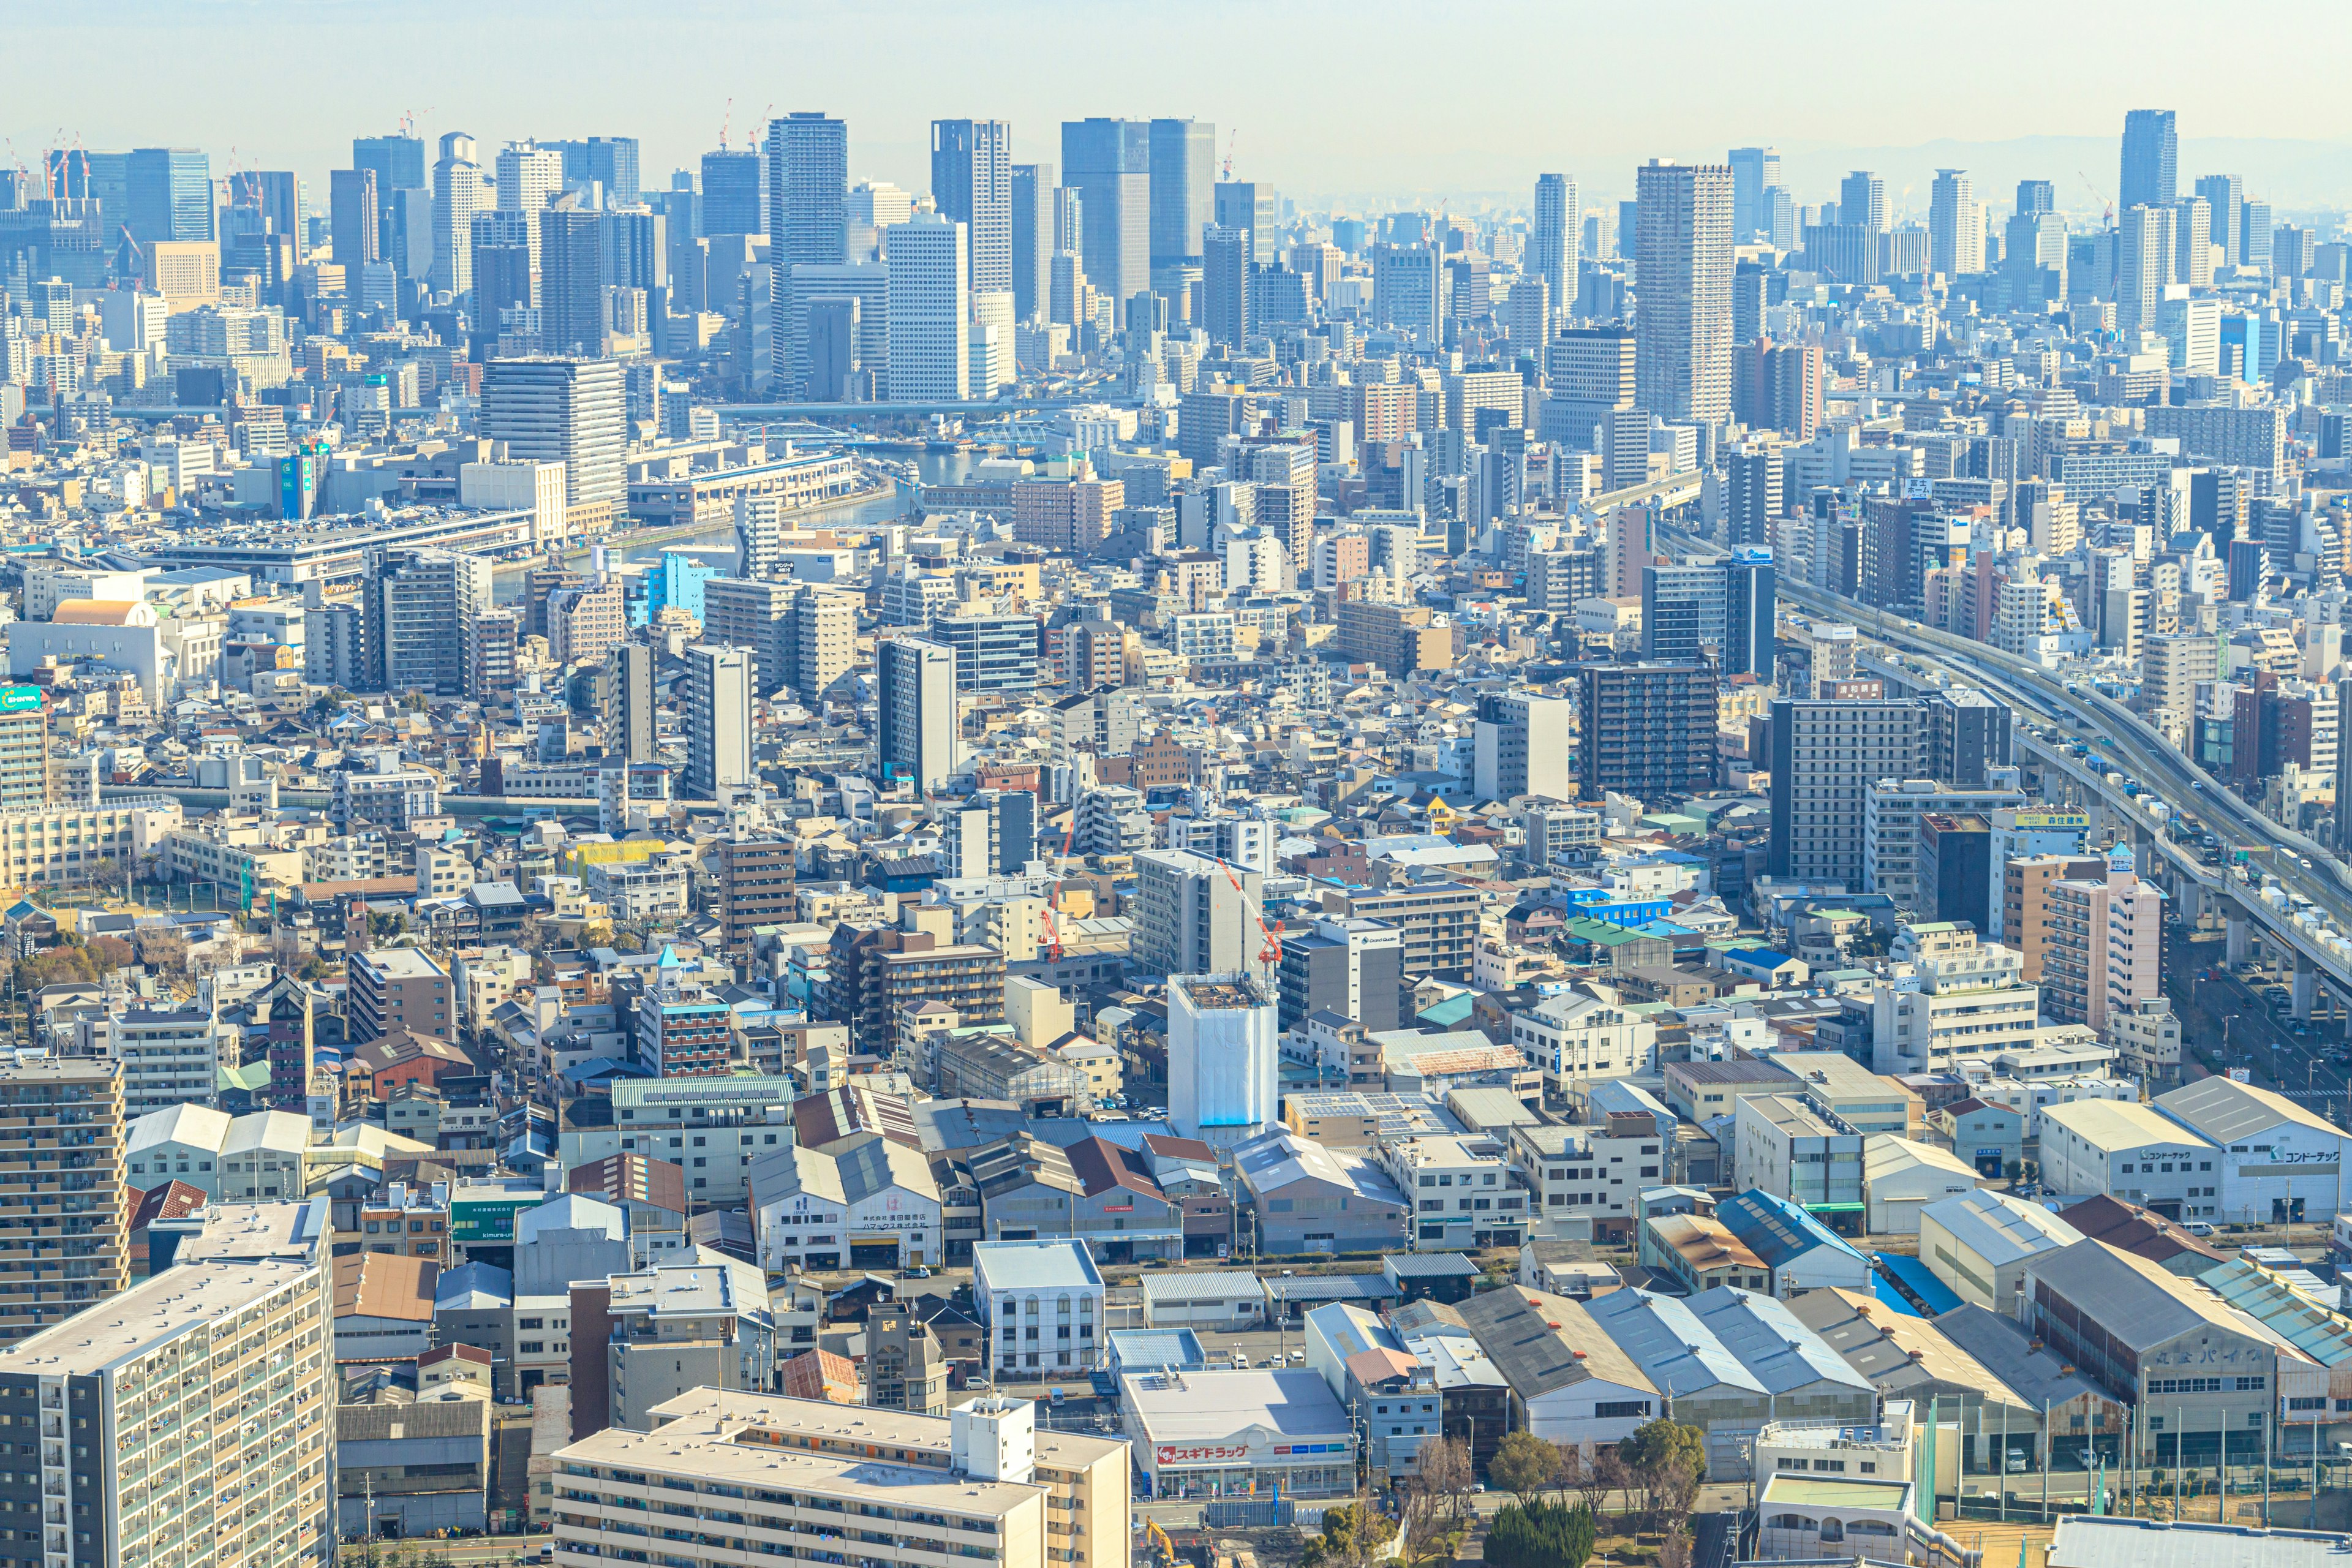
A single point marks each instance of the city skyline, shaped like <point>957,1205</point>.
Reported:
<point>1475,149</point>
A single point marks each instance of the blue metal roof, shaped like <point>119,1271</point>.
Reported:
<point>1915,1278</point>
<point>1776,1230</point>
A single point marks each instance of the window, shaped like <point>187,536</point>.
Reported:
<point>1619,1409</point>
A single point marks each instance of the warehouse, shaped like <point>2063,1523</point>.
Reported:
<point>2119,1150</point>
<point>1979,1242</point>
<point>1900,1178</point>
<point>2277,1160</point>
<point>1224,1298</point>
<point>1238,1433</point>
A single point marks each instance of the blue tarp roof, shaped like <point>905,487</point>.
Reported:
<point>1915,1276</point>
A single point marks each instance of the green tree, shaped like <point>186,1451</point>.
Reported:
<point>1354,1536</point>
<point>1541,1535</point>
<point>1667,1461</point>
<point>1525,1465</point>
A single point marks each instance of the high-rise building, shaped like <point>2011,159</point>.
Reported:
<point>991,833</point>
<point>1955,225</point>
<point>2105,953</point>
<point>734,192</point>
<point>418,607</point>
<point>167,195</point>
<point>571,411</point>
<point>1552,253</point>
<point>822,633</point>
<point>1648,728</point>
<point>459,192</point>
<point>1183,154</point>
<point>1032,238</point>
<point>914,718</point>
<point>1521,746</point>
<point>2035,197</point>
<point>610,160</point>
<point>2192,232</point>
<point>1108,164</point>
<point>499,254</point>
<point>1720,611</point>
<point>1861,202</point>
<point>2141,265</point>
<point>23,749</point>
<point>1223,1057</point>
<point>1225,285</point>
<point>930,310</point>
<point>628,706</point>
<point>1825,755</point>
<point>398,161</point>
<point>2151,161</point>
<point>1352,967</point>
<point>204,1345</point>
<point>1754,171</point>
<point>971,182</point>
<point>756,878</point>
<point>1682,332</point>
<point>1251,204</point>
<point>352,216</point>
<point>717,705</point>
<point>1194,914</point>
<point>530,176</point>
<point>2225,196</point>
<point>67,1248</point>
<point>808,189</point>
<point>572,280</point>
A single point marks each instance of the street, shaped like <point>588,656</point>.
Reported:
<point>2227,1023</point>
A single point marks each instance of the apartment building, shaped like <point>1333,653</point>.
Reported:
<point>1439,922</point>
<point>1595,1172</point>
<point>2106,946</point>
<point>1462,1192</point>
<point>1948,994</point>
<point>2025,921</point>
<point>1891,812</point>
<point>1400,638</point>
<point>232,1343</point>
<point>62,1243</point>
<point>741,1474</point>
<point>170,1054</point>
<point>399,988</point>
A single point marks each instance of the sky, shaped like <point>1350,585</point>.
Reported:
<point>1359,105</point>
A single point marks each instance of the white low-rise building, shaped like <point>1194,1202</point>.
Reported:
<point>1979,1243</point>
<point>1040,1303</point>
<point>2130,1151</point>
<point>2277,1160</point>
<point>1900,1177</point>
<point>1586,1033</point>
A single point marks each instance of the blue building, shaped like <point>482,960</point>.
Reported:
<point>676,578</point>
<point>1801,1253</point>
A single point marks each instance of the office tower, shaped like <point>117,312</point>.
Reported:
<point>528,178</point>
<point>1754,171</point>
<point>2140,268</point>
<point>1108,164</point>
<point>398,161</point>
<point>629,703</point>
<point>2151,161</point>
<point>1648,728</point>
<point>610,160</point>
<point>808,189</point>
<point>1408,291</point>
<point>1966,736</point>
<point>1254,206</point>
<point>718,706</point>
<point>2033,260</point>
<point>734,192</point>
<point>915,716</point>
<point>1552,253</point>
<point>1352,967</point>
<point>991,833</point>
<point>1748,594</point>
<point>1718,611</point>
<point>1223,1057</point>
<point>1682,332</point>
<point>459,193</point>
<point>168,194</point>
<point>1032,237</point>
<point>2192,231</point>
<point>971,182</point>
<point>418,609</point>
<point>499,256</point>
<point>2254,233</point>
<point>1225,285</point>
<point>2225,196</point>
<point>64,1168</point>
<point>352,216</point>
<point>2035,197</point>
<point>189,1350</point>
<point>1955,225</point>
<point>571,281</point>
<point>569,411</point>
<point>279,195</point>
<point>1520,746</point>
<point>930,310</point>
<point>830,328</point>
<point>1629,229</point>
<point>1861,201</point>
<point>1183,155</point>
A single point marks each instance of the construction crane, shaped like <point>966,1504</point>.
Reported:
<point>726,119</point>
<point>1053,900</point>
<point>1230,137</point>
<point>2108,218</point>
<point>1271,952</point>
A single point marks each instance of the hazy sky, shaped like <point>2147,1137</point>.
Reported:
<point>1351,101</point>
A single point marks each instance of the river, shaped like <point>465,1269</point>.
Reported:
<point>935,469</point>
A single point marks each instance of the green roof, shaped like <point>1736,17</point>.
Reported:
<point>250,1078</point>
<point>1603,934</point>
<point>1815,1491</point>
<point>1453,1010</point>
<point>1674,822</point>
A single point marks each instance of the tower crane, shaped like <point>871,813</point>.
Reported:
<point>1270,950</point>
<point>1231,136</point>
<point>1053,900</point>
<point>726,119</point>
<point>2109,218</point>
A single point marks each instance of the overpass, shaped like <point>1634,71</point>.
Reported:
<point>2302,868</point>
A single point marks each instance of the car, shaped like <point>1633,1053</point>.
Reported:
<point>1054,1395</point>
<point>1298,1357</point>
<point>919,1272</point>
<point>2016,1463</point>
<point>1240,1359</point>
<point>2196,1228</point>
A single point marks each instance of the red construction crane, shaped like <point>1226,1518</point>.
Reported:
<point>1054,901</point>
<point>1231,136</point>
<point>1271,950</point>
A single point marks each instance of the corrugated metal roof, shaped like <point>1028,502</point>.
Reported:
<point>2263,1295</point>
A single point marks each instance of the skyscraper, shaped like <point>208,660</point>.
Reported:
<point>808,189</point>
<point>1251,204</point>
<point>1955,225</point>
<point>530,176</point>
<point>2151,161</point>
<point>915,713</point>
<point>971,180</point>
<point>459,193</point>
<point>64,1168</point>
<point>1183,155</point>
<point>1033,238</point>
<point>718,719</point>
<point>2141,266</point>
<point>2035,197</point>
<point>418,610</point>
<point>398,161</point>
<point>167,195</point>
<point>1108,164</point>
<point>930,310</point>
<point>1682,359</point>
<point>2226,195</point>
<point>610,160</point>
<point>352,216</point>
<point>1552,242</point>
<point>1225,285</point>
<point>734,192</point>
<point>1861,201</point>
<point>1754,171</point>
<point>565,410</point>
<point>571,280</point>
